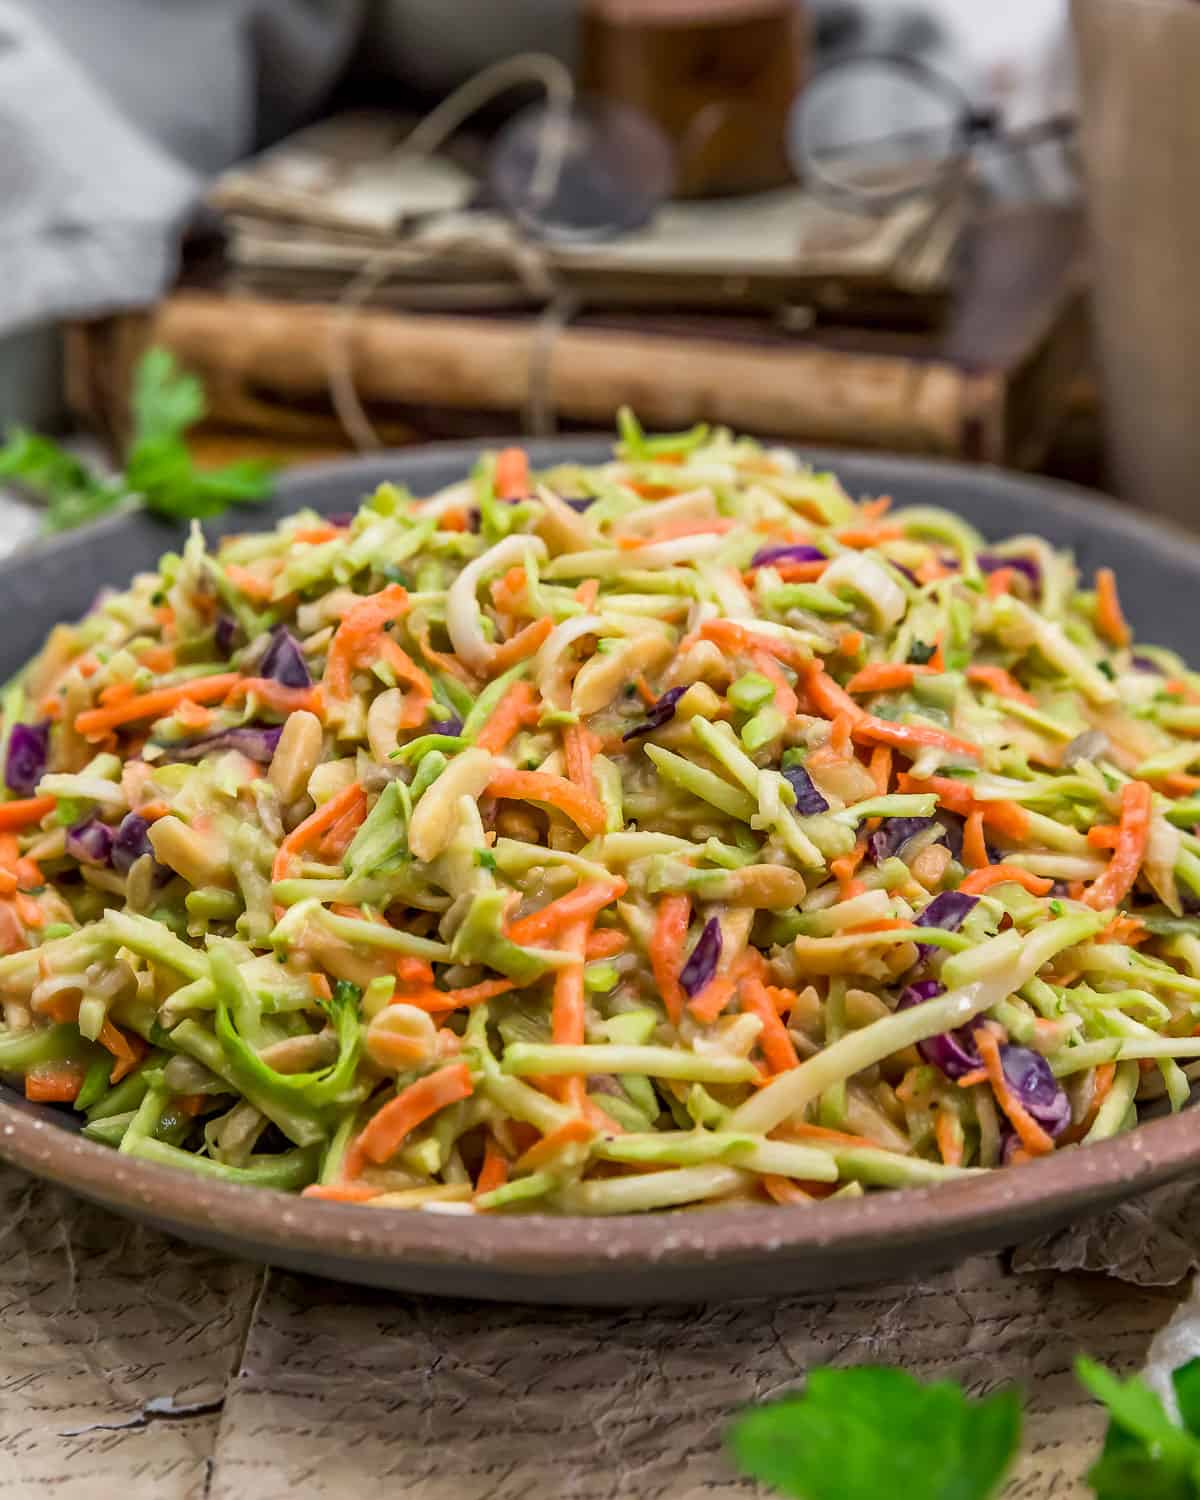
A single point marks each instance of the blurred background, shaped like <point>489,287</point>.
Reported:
<point>856,223</point>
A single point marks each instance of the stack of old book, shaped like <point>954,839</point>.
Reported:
<point>929,329</point>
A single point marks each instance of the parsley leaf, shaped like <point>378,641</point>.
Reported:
<point>860,1433</point>
<point>165,403</point>
<point>1145,1453</point>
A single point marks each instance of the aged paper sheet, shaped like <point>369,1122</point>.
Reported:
<point>134,1366</point>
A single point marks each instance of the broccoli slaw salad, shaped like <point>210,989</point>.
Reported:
<point>676,830</point>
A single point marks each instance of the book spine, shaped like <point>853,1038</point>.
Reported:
<point>262,361</point>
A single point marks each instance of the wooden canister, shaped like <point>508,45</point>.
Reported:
<point>718,76</point>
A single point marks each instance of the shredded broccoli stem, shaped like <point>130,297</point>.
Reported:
<point>602,840</point>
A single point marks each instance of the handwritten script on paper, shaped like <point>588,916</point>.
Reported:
<point>134,1365</point>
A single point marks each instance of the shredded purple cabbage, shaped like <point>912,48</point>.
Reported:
<point>226,633</point>
<point>891,834</point>
<point>948,910</point>
<point>907,572</point>
<point>579,502</point>
<point>445,726</point>
<point>808,800</point>
<point>796,552</point>
<point>951,1051</point>
<point>342,518</point>
<point>702,961</point>
<point>1029,1076</point>
<point>28,752</point>
<point>284,661</point>
<point>131,842</point>
<point>658,714</point>
<point>90,842</point>
<point>990,562</point>
<point>255,742</point>
<point>1144,664</point>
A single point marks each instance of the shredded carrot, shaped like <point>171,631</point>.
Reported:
<point>117,692</point>
<point>948,1136</point>
<point>910,737</point>
<point>573,1132</point>
<point>24,813</point>
<point>800,572</point>
<point>585,901</point>
<point>785,696</point>
<point>194,1104</point>
<point>587,591</point>
<point>386,1131</point>
<point>871,510</point>
<point>605,943</point>
<point>932,569</point>
<point>493,1173</point>
<point>338,837</point>
<point>667,944</point>
<point>587,813</point>
<point>975,854</point>
<point>157,658</point>
<point>885,677</point>
<point>826,696</point>
<point>567,1013</point>
<point>93,723</point>
<point>278,698</point>
<point>320,986</point>
<point>517,708</point>
<point>783,1190</point>
<point>1034,1139</point>
<point>1132,840</point>
<point>851,642</point>
<point>316,824</point>
<point>1008,818</point>
<point>579,745</point>
<point>360,628</point>
<point>969,1080</point>
<point>1124,928</point>
<point>839,736</point>
<point>522,645</point>
<point>843,870</point>
<point>881,768</point>
<point>250,583</point>
<point>979,881</point>
<point>54,1083</point>
<point>713,998</point>
<point>1002,683</point>
<point>192,716</point>
<point>731,636</point>
<point>8,882</point>
<point>128,1050</point>
<point>438,1002</point>
<point>773,1040</point>
<point>1001,582</point>
<point>312,536</point>
<point>511,477</point>
<point>869,536</point>
<point>51,707</point>
<point>1110,621</point>
<point>802,1131</point>
<point>1104,835</point>
<point>342,1192</point>
<point>644,691</point>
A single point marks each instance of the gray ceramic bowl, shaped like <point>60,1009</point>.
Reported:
<point>706,1253</point>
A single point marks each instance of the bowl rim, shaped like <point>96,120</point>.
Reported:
<point>531,1246</point>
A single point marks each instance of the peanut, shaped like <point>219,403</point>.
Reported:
<point>296,756</point>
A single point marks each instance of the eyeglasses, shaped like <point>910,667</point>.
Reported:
<point>867,133</point>
<point>872,131</point>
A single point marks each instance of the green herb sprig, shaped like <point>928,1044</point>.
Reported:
<point>860,1433</point>
<point>159,471</point>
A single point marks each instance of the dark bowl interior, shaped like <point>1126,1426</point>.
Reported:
<point>707,1253</point>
